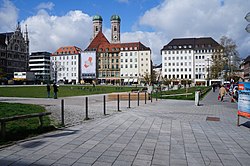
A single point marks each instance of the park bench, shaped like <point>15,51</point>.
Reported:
<point>3,121</point>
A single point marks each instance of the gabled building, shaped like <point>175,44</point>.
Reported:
<point>65,65</point>
<point>188,59</point>
<point>117,62</point>
<point>14,52</point>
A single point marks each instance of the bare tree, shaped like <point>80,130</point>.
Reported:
<point>225,59</point>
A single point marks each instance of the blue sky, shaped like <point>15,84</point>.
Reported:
<point>129,11</point>
<point>56,23</point>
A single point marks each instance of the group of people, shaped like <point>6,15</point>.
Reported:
<point>55,89</point>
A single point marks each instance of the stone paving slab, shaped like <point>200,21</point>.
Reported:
<point>161,133</point>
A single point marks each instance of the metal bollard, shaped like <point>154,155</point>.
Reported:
<point>151,97</point>
<point>62,111</point>
<point>104,105</point>
<point>128,100</point>
<point>86,109</point>
<point>118,102</point>
<point>145,97</point>
<point>138,99</point>
<point>156,95</point>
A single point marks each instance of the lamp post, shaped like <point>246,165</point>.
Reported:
<point>208,70</point>
<point>248,20</point>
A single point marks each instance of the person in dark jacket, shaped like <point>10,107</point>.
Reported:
<point>48,90</point>
<point>55,90</point>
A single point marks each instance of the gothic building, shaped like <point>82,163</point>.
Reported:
<point>14,52</point>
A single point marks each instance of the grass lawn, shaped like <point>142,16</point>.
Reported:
<point>192,90</point>
<point>64,91</point>
<point>20,129</point>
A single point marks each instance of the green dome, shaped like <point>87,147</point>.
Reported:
<point>97,17</point>
<point>115,17</point>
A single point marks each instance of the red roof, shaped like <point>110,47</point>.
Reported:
<point>99,39</point>
<point>101,44</point>
<point>67,50</point>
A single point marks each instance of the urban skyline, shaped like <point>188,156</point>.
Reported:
<point>154,23</point>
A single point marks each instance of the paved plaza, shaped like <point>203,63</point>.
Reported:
<point>161,133</point>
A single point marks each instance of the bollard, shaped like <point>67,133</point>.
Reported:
<point>104,105</point>
<point>62,111</point>
<point>145,98</point>
<point>128,100</point>
<point>138,99</point>
<point>118,103</point>
<point>151,98</point>
<point>156,96</point>
<point>86,109</point>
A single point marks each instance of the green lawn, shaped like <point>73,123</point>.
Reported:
<point>20,129</point>
<point>64,91</point>
<point>192,90</point>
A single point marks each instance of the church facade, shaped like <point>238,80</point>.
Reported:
<point>116,62</point>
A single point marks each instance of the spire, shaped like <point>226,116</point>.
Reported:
<point>26,34</point>
<point>18,28</point>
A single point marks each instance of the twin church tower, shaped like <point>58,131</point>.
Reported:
<point>115,27</point>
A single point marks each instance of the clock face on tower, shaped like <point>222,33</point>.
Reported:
<point>115,37</point>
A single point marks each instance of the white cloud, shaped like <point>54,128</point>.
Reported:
<point>154,40</point>
<point>48,32</point>
<point>8,16</point>
<point>46,5</point>
<point>200,18</point>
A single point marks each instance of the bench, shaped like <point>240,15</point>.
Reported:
<point>3,121</point>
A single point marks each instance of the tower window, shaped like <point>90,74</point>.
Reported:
<point>114,28</point>
<point>96,28</point>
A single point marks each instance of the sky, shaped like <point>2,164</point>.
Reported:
<point>56,23</point>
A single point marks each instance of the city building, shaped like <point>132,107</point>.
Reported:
<point>65,65</point>
<point>117,62</point>
<point>188,59</point>
<point>245,66</point>
<point>39,63</point>
<point>14,52</point>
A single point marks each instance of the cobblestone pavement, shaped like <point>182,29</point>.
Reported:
<point>161,133</point>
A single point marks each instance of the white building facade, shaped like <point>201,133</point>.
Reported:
<point>65,64</point>
<point>135,62</point>
<point>188,59</point>
<point>39,63</point>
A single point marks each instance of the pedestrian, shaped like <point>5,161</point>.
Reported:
<point>222,92</point>
<point>48,90</point>
<point>55,90</point>
<point>213,87</point>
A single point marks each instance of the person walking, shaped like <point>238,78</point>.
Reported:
<point>55,90</point>
<point>222,92</point>
<point>213,86</point>
<point>48,90</point>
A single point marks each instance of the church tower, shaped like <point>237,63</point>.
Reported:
<point>115,29</point>
<point>97,25</point>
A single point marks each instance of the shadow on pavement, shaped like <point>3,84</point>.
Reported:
<point>246,124</point>
<point>65,132</point>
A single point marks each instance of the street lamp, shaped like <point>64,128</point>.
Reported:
<point>208,70</point>
<point>248,19</point>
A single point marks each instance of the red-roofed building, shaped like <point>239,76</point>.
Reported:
<point>65,63</point>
